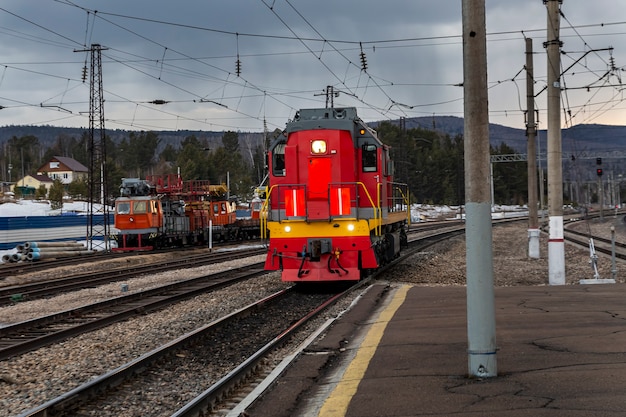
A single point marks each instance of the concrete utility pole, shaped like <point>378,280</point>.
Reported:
<point>481,322</point>
<point>556,244</point>
<point>531,132</point>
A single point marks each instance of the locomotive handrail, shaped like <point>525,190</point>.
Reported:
<point>379,226</point>
<point>265,211</point>
<point>264,214</point>
<point>406,199</point>
<point>376,208</point>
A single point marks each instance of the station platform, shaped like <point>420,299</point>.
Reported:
<point>402,351</point>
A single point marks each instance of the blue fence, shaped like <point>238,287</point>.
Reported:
<point>17,230</point>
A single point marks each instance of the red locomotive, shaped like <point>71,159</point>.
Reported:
<point>333,211</point>
<point>167,211</point>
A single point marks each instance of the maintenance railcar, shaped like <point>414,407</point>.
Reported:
<point>333,211</point>
<point>165,211</point>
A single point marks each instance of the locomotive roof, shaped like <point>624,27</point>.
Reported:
<point>342,118</point>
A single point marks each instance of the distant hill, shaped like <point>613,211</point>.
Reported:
<point>48,135</point>
<point>577,139</point>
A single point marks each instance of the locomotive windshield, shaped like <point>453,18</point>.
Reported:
<point>123,207</point>
<point>139,207</point>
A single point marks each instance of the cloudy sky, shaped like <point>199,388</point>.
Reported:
<point>184,53</point>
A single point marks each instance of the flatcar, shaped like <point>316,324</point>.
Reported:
<point>165,211</point>
<point>333,211</point>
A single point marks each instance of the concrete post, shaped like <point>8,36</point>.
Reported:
<point>556,243</point>
<point>481,326</point>
<point>531,132</point>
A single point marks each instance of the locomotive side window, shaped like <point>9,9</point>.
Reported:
<point>368,158</point>
<point>278,160</point>
<point>123,207</point>
<point>139,207</point>
<point>388,163</point>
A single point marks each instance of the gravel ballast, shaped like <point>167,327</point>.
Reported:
<point>32,379</point>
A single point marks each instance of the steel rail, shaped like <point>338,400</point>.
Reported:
<point>26,336</point>
<point>63,404</point>
<point>48,288</point>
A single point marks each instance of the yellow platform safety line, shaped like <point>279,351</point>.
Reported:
<point>336,405</point>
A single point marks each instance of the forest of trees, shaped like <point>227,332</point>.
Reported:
<point>432,164</point>
<point>429,161</point>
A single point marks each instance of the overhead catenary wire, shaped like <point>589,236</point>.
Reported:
<point>273,94</point>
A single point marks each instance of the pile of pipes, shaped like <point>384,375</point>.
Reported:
<point>34,251</point>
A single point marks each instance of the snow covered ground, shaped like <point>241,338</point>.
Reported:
<point>40,208</point>
<point>419,212</point>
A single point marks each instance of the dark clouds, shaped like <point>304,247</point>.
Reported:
<point>413,51</point>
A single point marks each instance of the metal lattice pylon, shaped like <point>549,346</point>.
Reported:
<point>98,226</point>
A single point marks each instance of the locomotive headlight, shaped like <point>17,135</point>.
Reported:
<point>287,229</point>
<point>350,227</point>
<point>318,146</point>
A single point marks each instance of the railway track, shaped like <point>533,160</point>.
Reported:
<point>12,269</point>
<point>207,397</point>
<point>249,333</point>
<point>49,288</point>
<point>19,338</point>
<point>219,394</point>
<point>213,393</point>
<point>25,336</point>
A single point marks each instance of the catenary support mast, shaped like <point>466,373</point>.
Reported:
<point>531,132</point>
<point>98,225</point>
<point>481,326</point>
<point>556,243</point>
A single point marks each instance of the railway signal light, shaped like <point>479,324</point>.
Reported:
<point>598,161</point>
<point>599,172</point>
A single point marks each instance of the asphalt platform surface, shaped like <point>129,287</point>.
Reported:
<point>402,351</point>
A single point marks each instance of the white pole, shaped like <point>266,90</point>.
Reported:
<point>210,235</point>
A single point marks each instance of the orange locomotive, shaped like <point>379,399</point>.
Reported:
<point>333,211</point>
<point>167,211</point>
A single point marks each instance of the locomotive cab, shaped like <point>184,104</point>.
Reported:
<point>138,219</point>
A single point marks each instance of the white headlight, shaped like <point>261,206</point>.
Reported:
<point>287,229</point>
<point>350,227</point>
<point>318,146</point>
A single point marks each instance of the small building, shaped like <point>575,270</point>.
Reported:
<point>64,169</point>
<point>30,183</point>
